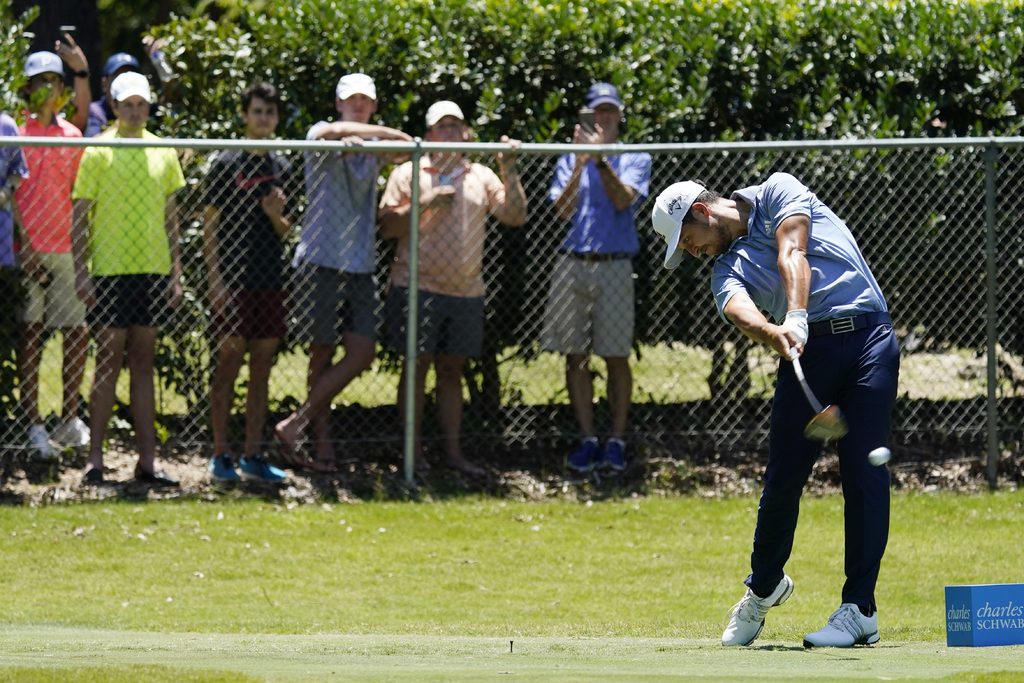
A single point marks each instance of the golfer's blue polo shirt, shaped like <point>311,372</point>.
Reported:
<point>841,283</point>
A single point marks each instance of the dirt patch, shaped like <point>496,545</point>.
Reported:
<point>374,471</point>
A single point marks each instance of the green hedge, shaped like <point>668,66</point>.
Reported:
<point>748,69</point>
<point>736,70</point>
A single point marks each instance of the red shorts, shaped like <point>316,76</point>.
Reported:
<point>253,314</point>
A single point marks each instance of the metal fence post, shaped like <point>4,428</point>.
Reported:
<point>991,155</point>
<point>412,334</point>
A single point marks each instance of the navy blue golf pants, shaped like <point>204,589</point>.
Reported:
<point>856,371</point>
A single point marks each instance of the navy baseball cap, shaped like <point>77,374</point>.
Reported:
<point>121,59</point>
<point>603,93</point>
<point>42,63</point>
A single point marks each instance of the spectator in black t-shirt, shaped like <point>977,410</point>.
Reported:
<point>245,224</point>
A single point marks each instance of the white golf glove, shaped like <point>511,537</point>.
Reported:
<point>796,322</point>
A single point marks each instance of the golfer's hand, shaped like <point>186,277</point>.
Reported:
<point>782,341</point>
<point>796,325</point>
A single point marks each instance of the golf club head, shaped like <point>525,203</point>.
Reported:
<point>827,425</point>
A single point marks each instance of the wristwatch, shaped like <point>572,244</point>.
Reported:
<point>84,73</point>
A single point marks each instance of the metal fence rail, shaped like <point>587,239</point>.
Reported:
<point>936,219</point>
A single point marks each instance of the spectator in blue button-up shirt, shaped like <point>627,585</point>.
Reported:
<point>590,302</point>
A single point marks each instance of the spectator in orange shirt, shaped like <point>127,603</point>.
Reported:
<point>44,201</point>
<point>456,197</point>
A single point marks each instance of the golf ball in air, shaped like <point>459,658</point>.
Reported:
<point>879,456</point>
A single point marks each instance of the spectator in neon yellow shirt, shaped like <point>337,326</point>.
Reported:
<point>127,267</point>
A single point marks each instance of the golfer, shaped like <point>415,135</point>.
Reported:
<point>779,249</point>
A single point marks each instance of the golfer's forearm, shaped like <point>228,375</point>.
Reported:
<point>742,313</point>
<point>791,238</point>
<point>796,278</point>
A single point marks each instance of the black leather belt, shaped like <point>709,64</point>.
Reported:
<point>594,257</point>
<point>850,324</point>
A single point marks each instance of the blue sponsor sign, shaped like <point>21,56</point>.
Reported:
<point>991,614</point>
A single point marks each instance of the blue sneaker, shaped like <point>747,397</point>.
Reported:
<point>614,455</point>
<point>585,458</point>
<point>255,468</point>
<point>222,469</point>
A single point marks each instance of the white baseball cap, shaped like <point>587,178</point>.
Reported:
<point>130,83</point>
<point>670,208</point>
<point>439,110</point>
<point>353,84</point>
<point>42,63</point>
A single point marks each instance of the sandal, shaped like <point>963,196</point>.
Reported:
<point>297,461</point>
<point>466,467</point>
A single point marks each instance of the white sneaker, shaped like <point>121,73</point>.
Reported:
<point>845,628</point>
<point>72,434</point>
<point>746,619</point>
<point>39,443</point>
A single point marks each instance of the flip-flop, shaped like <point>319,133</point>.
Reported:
<point>321,466</point>
<point>466,467</point>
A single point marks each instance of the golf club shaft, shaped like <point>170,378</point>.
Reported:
<point>811,398</point>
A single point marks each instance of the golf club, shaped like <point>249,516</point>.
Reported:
<point>828,423</point>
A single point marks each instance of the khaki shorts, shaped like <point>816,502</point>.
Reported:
<point>56,304</point>
<point>590,308</point>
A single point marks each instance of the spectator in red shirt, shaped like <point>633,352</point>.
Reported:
<point>44,201</point>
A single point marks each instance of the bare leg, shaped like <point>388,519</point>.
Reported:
<point>620,392</point>
<point>30,342</point>
<point>261,360</point>
<point>423,364</point>
<point>449,410</point>
<point>581,391</point>
<point>76,345</point>
<point>110,342</point>
<point>325,382</point>
<point>230,356</point>
<point>141,352</point>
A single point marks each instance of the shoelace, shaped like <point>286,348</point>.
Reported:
<point>750,608</point>
<point>844,619</point>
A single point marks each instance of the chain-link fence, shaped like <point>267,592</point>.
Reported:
<point>287,246</point>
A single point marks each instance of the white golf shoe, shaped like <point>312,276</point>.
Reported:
<point>845,628</point>
<point>746,619</point>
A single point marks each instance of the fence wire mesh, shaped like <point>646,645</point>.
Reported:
<point>288,246</point>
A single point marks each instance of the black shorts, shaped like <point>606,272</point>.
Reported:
<point>129,301</point>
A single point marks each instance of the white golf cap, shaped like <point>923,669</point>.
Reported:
<point>439,110</point>
<point>670,208</point>
<point>128,84</point>
<point>353,84</point>
<point>42,63</point>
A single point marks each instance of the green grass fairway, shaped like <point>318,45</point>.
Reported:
<point>53,653</point>
<point>633,589</point>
